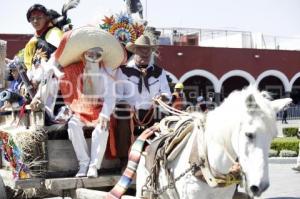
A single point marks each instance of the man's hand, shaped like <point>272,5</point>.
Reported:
<point>164,98</point>
<point>161,97</point>
<point>103,123</point>
<point>36,104</point>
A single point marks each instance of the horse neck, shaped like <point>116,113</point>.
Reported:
<point>219,145</point>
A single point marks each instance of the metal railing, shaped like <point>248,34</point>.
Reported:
<point>293,113</point>
<point>226,38</point>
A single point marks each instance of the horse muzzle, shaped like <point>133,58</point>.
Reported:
<point>257,190</point>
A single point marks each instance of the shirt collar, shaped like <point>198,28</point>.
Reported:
<point>132,64</point>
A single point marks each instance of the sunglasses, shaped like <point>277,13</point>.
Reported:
<point>36,18</point>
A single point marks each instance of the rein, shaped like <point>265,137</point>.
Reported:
<point>171,109</point>
<point>143,122</point>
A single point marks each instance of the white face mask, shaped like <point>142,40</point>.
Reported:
<point>93,55</point>
<point>90,78</point>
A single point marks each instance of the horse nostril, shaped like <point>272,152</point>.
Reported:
<point>254,189</point>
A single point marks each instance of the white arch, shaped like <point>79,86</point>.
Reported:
<point>279,75</point>
<point>173,77</point>
<point>240,73</point>
<point>203,73</point>
<point>294,78</point>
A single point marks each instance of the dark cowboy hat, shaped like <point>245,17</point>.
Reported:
<point>142,41</point>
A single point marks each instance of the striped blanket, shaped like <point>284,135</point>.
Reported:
<point>134,157</point>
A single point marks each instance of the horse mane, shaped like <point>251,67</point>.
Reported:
<point>234,107</point>
<point>238,99</point>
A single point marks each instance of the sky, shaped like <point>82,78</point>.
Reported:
<point>270,17</point>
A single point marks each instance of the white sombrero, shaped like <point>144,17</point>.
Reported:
<point>84,38</point>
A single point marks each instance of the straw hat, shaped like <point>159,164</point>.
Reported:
<point>142,41</point>
<point>74,44</point>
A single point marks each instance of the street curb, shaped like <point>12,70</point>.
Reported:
<point>283,160</point>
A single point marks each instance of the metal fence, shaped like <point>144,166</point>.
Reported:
<point>293,113</point>
<point>227,38</point>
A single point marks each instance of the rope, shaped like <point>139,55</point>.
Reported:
<point>170,109</point>
<point>143,123</point>
<point>229,155</point>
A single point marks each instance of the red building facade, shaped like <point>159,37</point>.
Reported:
<point>215,72</point>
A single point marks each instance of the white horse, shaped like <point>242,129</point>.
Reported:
<point>242,128</point>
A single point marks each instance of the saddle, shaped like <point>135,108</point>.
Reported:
<point>175,132</point>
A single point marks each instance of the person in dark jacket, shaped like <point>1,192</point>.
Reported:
<point>284,115</point>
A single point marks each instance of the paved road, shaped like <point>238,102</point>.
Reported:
<point>284,182</point>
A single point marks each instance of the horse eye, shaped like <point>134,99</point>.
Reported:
<point>250,135</point>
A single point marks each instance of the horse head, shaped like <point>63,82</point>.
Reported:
<point>246,133</point>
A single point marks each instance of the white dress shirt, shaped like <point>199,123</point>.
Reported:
<point>144,99</point>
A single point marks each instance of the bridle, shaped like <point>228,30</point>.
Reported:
<point>235,163</point>
<point>201,124</point>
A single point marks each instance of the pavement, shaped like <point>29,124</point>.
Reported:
<point>284,182</point>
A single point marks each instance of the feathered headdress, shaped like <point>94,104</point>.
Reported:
<point>122,27</point>
<point>62,20</point>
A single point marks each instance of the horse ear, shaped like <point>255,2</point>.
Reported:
<point>280,103</point>
<point>251,103</point>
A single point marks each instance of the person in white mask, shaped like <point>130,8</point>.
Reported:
<point>89,58</point>
<point>93,108</point>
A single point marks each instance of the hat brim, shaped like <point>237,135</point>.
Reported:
<point>131,47</point>
<point>84,38</point>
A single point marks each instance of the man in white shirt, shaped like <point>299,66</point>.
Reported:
<point>142,81</point>
<point>145,81</point>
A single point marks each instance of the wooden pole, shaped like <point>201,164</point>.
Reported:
<point>2,62</point>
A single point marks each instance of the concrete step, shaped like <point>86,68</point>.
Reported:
<point>92,194</point>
